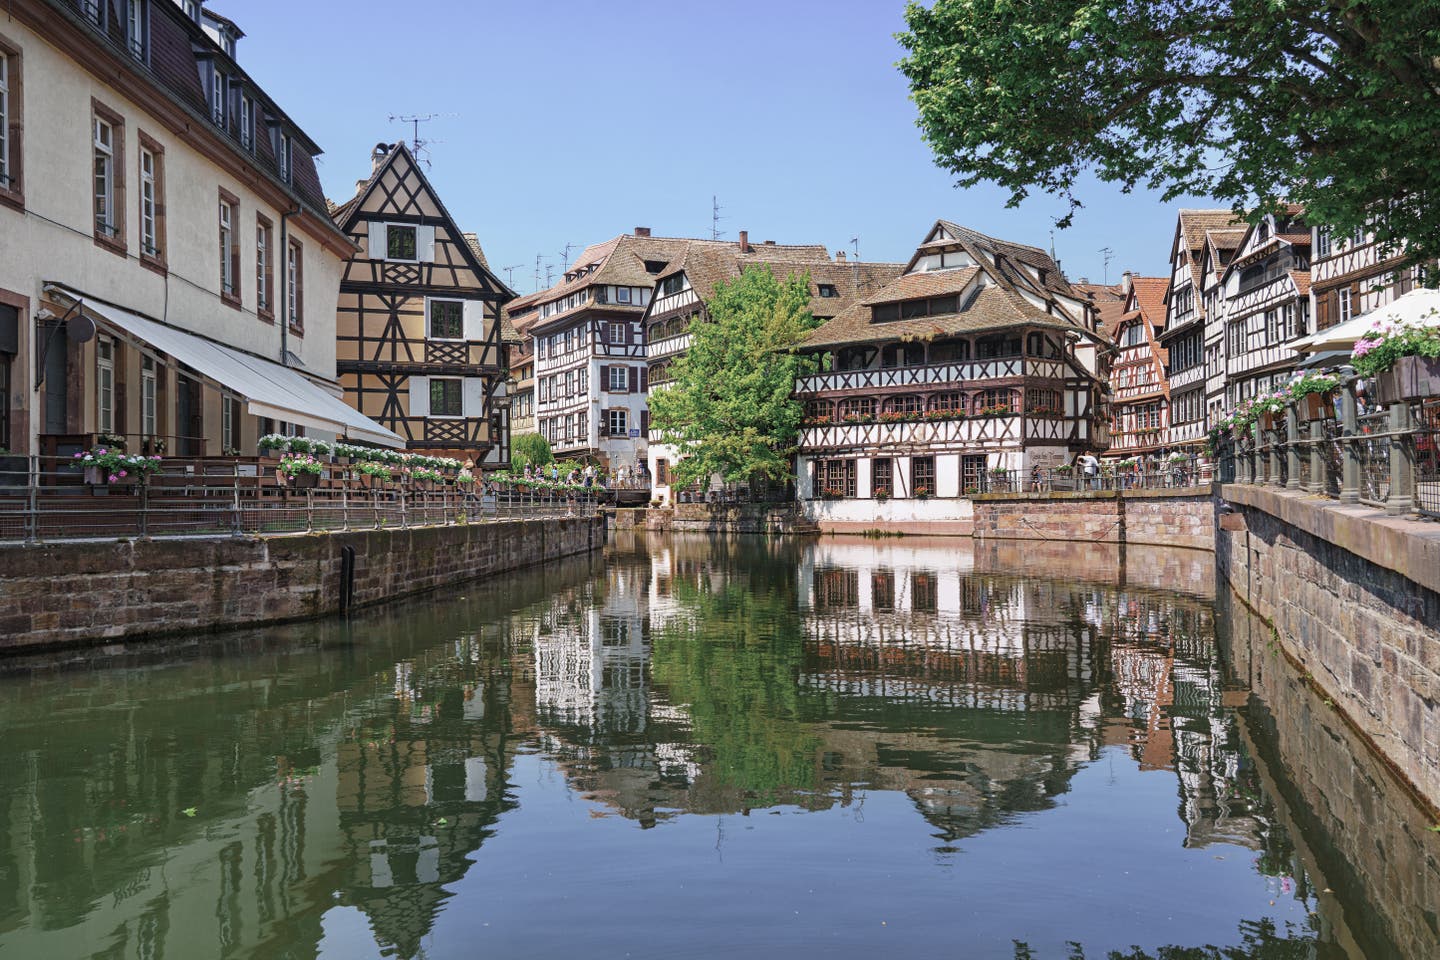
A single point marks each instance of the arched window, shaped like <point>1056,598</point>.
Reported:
<point>992,402</point>
<point>1043,403</point>
<point>946,403</point>
<point>908,404</point>
<point>857,408</point>
<point>818,410</point>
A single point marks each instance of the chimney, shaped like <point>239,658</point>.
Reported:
<point>769,243</point>
<point>744,241</point>
<point>839,256</point>
<point>1126,281</point>
<point>642,231</point>
<point>377,156</point>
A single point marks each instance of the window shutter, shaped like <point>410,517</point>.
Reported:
<point>644,380</point>
<point>425,244</point>
<point>644,423</point>
<point>377,240</point>
<point>634,380</point>
<point>604,379</point>
<point>474,322</point>
<point>419,396</point>
<point>474,398</point>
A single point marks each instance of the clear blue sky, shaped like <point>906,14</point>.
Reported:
<point>570,121</point>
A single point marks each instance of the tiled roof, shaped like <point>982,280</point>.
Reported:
<point>474,242</point>
<point>935,283</point>
<point>1109,302</point>
<point>1302,281</point>
<point>1224,243</point>
<point>1195,224</point>
<point>991,309</point>
<point>1150,297</point>
<point>1005,254</point>
<point>508,331</point>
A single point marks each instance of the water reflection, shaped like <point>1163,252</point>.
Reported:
<point>1012,760</point>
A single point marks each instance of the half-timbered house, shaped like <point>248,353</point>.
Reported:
<point>970,363</point>
<point>1353,275</point>
<point>1140,392</point>
<point>168,267</point>
<point>1265,299</point>
<point>419,337</point>
<point>684,289</point>
<point>1185,335</point>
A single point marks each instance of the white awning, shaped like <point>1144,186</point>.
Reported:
<point>269,389</point>
<point>1420,306</point>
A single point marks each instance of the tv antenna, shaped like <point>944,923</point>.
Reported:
<point>565,255</point>
<point>419,147</point>
<point>1109,255</point>
<point>510,275</point>
<point>715,217</point>
<point>1052,247</point>
<point>855,244</point>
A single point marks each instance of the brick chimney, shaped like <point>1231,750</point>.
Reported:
<point>768,243</point>
<point>744,241</point>
<point>377,156</point>
<point>839,256</point>
<point>642,231</point>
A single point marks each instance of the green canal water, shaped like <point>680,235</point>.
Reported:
<point>695,748</point>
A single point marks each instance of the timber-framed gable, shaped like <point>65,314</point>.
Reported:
<point>419,338</point>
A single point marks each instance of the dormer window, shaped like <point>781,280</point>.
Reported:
<point>827,290</point>
<point>135,32</point>
<point>94,11</point>
<point>247,123</point>
<point>191,8</point>
<point>283,155</point>
<point>217,97</point>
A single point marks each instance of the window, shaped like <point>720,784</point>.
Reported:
<point>229,249</point>
<point>882,477</point>
<point>9,120</point>
<point>247,123</point>
<point>835,478</point>
<point>618,332</point>
<point>972,472</point>
<point>217,97</point>
<point>817,410</point>
<point>447,319</point>
<point>908,404</point>
<point>946,403</point>
<point>105,385</point>
<point>619,422</point>
<point>283,157</point>
<point>857,408</point>
<point>446,398</point>
<point>827,290</point>
<point>672,285</point>
<point>264,267</point>
<point>1344,294</point>
<point>399,242</point>
<point>903,355</point>
<point>618,380</point>
<point>148,384</point>
<point>135,28</point>
<point>922,475</point>
<point>622,294</point>
<point>912,309</point>
<point>192,9</point>
<point>294,278</point>
<point>107,222</point>
<point>1322,242</point>
<point>1235,338</point>
<point>1043,403</point>
<point>228,423</point>
<point>152,201</point>
<point>94,11</point>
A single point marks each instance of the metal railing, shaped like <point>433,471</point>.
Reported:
<point>1159,474</point>
<point>44,499</point>
<point>1381,455</point>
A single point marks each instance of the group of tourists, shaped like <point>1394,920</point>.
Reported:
<point>588,477</point>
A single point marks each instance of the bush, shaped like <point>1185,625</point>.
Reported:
<point>531,449</point>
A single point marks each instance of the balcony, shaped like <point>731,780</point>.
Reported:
<point>976,431</point>
<point>658,349</point>
<point>931,375</point>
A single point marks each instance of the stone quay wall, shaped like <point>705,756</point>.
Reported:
<point>1181,517</point>
<point>1353,596</point>
<point>766,518</point>
<point>69,594</point>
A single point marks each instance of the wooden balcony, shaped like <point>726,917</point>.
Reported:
<point>659,349</point>
<point>938,434</point>
<point>942,374</point>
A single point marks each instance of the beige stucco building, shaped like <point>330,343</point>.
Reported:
<point>168,270</point>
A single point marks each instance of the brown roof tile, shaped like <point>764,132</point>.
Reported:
<point>1150,297</point>
<point>992,309</point>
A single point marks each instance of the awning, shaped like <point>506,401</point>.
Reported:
<point>269,389</point>
<point>1420,306</point>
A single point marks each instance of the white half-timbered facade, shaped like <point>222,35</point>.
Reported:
<point>972,361</point>
<point>1140,392</point>
<point>1353,275</point>
<point>1265,300</point>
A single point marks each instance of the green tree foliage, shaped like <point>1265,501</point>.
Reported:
<point>530,448</point>
<point>1333,104</point>
<point>729,406</point>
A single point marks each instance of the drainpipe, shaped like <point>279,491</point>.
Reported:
<point>283,268</point>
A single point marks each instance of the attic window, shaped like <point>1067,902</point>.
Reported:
<point>400,243</point>
<point>654,266</point>
<point>828,290</point>
<point>914,309</point>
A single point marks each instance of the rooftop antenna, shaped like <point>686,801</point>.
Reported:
<point>537,271</point>
<point>1109,255</point>
<point>855,244</point>
<point>549,275</point>
<point>419,147</point>
<point>565,256</point>
<point>715,217</point>
<point>510,275</point>
<point>1052,248</point>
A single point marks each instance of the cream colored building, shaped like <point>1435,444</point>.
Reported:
<point>168,269</point>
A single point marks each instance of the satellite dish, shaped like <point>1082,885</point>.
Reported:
<point>80,328</point>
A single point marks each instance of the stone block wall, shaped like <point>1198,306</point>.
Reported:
<point>1152,517</point>
<point>1354,597</point>
<point>80,593</point>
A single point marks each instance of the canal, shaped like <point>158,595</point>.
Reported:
<point>696,748</point>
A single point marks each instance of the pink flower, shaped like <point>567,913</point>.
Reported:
<point>113,478</point>
<point>79,455</point>
<point>122,473</point>
<point>102,451</point>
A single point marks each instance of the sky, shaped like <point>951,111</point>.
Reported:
<point>568,122</point>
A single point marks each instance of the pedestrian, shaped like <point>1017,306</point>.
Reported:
<point>1035,478</point>
<point>1090,467</point>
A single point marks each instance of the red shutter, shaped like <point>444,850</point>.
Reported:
<point>634,380</point>
<point>644,379</point>
<point>604,379</point>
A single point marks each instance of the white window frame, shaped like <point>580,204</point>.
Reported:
<point>1345,305</point>
<point>4,121</point>
<point>135,28</point>
<point>227,250</point>
<point>227,424</point>
<point>149,390</point>
<point>618,333</point>
<point>429,330</point>
<point>624,380</point>
<point>103,135</point>
<point>104,385</point>
<point>617,415</point>
<point>217,96</point>
<point>149,231</point>
<point>247,123</point>
<point>192,9</point>
<point>291,269</point>
<point>262,266</point>
<point>622,294</point>
<point>284,156</point>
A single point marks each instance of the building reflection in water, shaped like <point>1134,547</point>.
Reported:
<point>225,800</point>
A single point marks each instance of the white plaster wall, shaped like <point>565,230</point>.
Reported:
<point>947,475</point>
<point>878,512</point>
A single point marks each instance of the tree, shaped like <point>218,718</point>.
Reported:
<point>729,408</point>
<point>1332,104</point>
<point>530,448</point>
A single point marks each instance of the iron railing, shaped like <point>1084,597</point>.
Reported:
<point>1167,473</point>
<point>44,499</point>
<point>1356,451</point>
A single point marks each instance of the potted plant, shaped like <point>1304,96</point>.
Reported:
<point>112,441</point>
<point>1404,359</point>
<point>152,445</point>
<point>374,474</point>
<point>273,443</point>
<point>1312,395</point>
<point>922,493</point>
<point>104,466</point>
<point>299,470</point>
<point>882,495</point>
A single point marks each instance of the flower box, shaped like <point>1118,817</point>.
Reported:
<point>1411,378</point>
<point>1268,419</point>
<point>1315,406</point>
<point>305,481</point>
<point>96,476</point>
